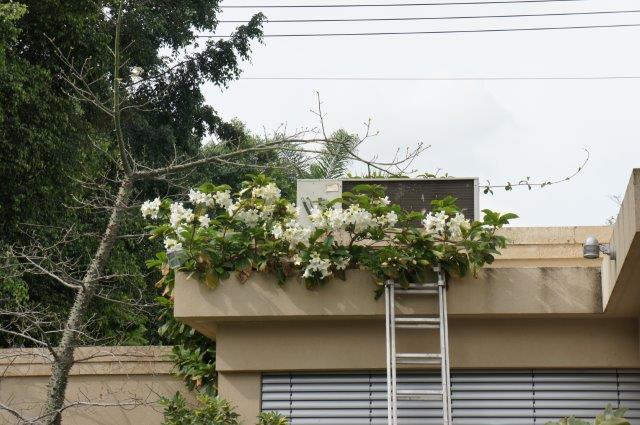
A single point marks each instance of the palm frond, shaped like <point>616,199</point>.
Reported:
<point>336,156</point>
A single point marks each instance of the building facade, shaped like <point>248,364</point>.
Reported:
<point>541,333</point>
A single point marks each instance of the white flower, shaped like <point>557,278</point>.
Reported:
<point>360,218</point>
<point>317,217</point>
<point>385,200</point>
<point>392,218</point>
<point>172,245</point>
<point>336,218</point>
<point>270,193</point>
<point>342,263</point>
<point>297,260</point>
<point>456,224</point>
<point>317,264</point>
<point>232,208</point>
<point>250,217</point>
<point>151,208</point>
<point>295,234</point>
<point>266,211</point>
<point>200,198</point>
<point>179,214</point>
<point>292,210</point>
<point>277,231</point>
<point>223,198</point>
<point>436,223</point>
<point>204,220</point>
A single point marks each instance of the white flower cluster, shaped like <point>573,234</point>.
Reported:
<point>338,219</point>
<point>179,214</point>
<point>250,217</point>
<point>223,198</point>
<point>270,193</point>
<point>200,198</point>
<point>151,208</point>
<point>317,264</point>
<point>204,220</point>
<point>439,223</point>
<point>172,245</point>
<point>342,263</point>
<point>293,232</point>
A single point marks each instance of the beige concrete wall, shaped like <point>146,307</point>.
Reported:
<point>549,246</point>
<point>541,272</point>
<point>243,389</point>
<point>621,276</point>
<point>539,306</point>
<point>245,349</point>
<point>474,343</point>
<point>133,376</point>
<point>496,292</point>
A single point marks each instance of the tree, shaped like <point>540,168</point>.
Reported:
<point>136,165</point>
<point>56,147</point>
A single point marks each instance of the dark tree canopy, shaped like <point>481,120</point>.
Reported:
<point>48,138</point>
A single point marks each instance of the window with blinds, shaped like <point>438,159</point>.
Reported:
<point>506,397</point>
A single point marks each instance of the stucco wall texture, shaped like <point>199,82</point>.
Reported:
<point>123,383</point>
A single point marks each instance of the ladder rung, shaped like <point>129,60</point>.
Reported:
<point>417,320</point>
<point>417,323</point>
<point>419,395</point>
<point>426,285</point>
<point>417,326</point>
<point>416,291</point>
<point>418,358</point>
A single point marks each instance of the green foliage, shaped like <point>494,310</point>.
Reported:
<point>13,290</point>
<point>610,416</point>
<point>271,418</point>
<point>221,233</point>
<point>51,142</point>
<point>193,354</point>
<point>209,411</point>
<point>333,162</point>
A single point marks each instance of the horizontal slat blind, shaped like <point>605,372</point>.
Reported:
<point>506,397</point>
<point>582,393</point>
<point>629,393</point>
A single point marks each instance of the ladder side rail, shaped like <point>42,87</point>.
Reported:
<point>388,325</point>
<point>444,338</point>
<point>394,372</point>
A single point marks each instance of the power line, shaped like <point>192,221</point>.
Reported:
<point>486,30</point>
<point>525,78</point>
<point>521,15</point>
<point>468,3</point>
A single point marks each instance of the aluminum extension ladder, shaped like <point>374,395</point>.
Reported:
<point>431,322</point>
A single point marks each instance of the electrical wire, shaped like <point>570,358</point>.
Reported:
<point>486,30</point>
<point>449,3</point>
<point>520,15</point>
<point>524,78</point>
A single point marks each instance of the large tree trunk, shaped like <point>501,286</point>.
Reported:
<point>65,351</point>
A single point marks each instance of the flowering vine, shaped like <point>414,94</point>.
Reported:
<point>217,233</point>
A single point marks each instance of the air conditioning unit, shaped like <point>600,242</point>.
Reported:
<point>411,194</point>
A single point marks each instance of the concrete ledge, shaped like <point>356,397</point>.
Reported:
<point>548,246</point>
<point>496,292</point>
<point>29,362</point>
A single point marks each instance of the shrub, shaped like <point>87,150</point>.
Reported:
<point>610,416</point>
<point>218,233</point>
<point>209,411</point>
<point>271,418</point>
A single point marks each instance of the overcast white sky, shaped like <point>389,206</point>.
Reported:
<point>497,130</point>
